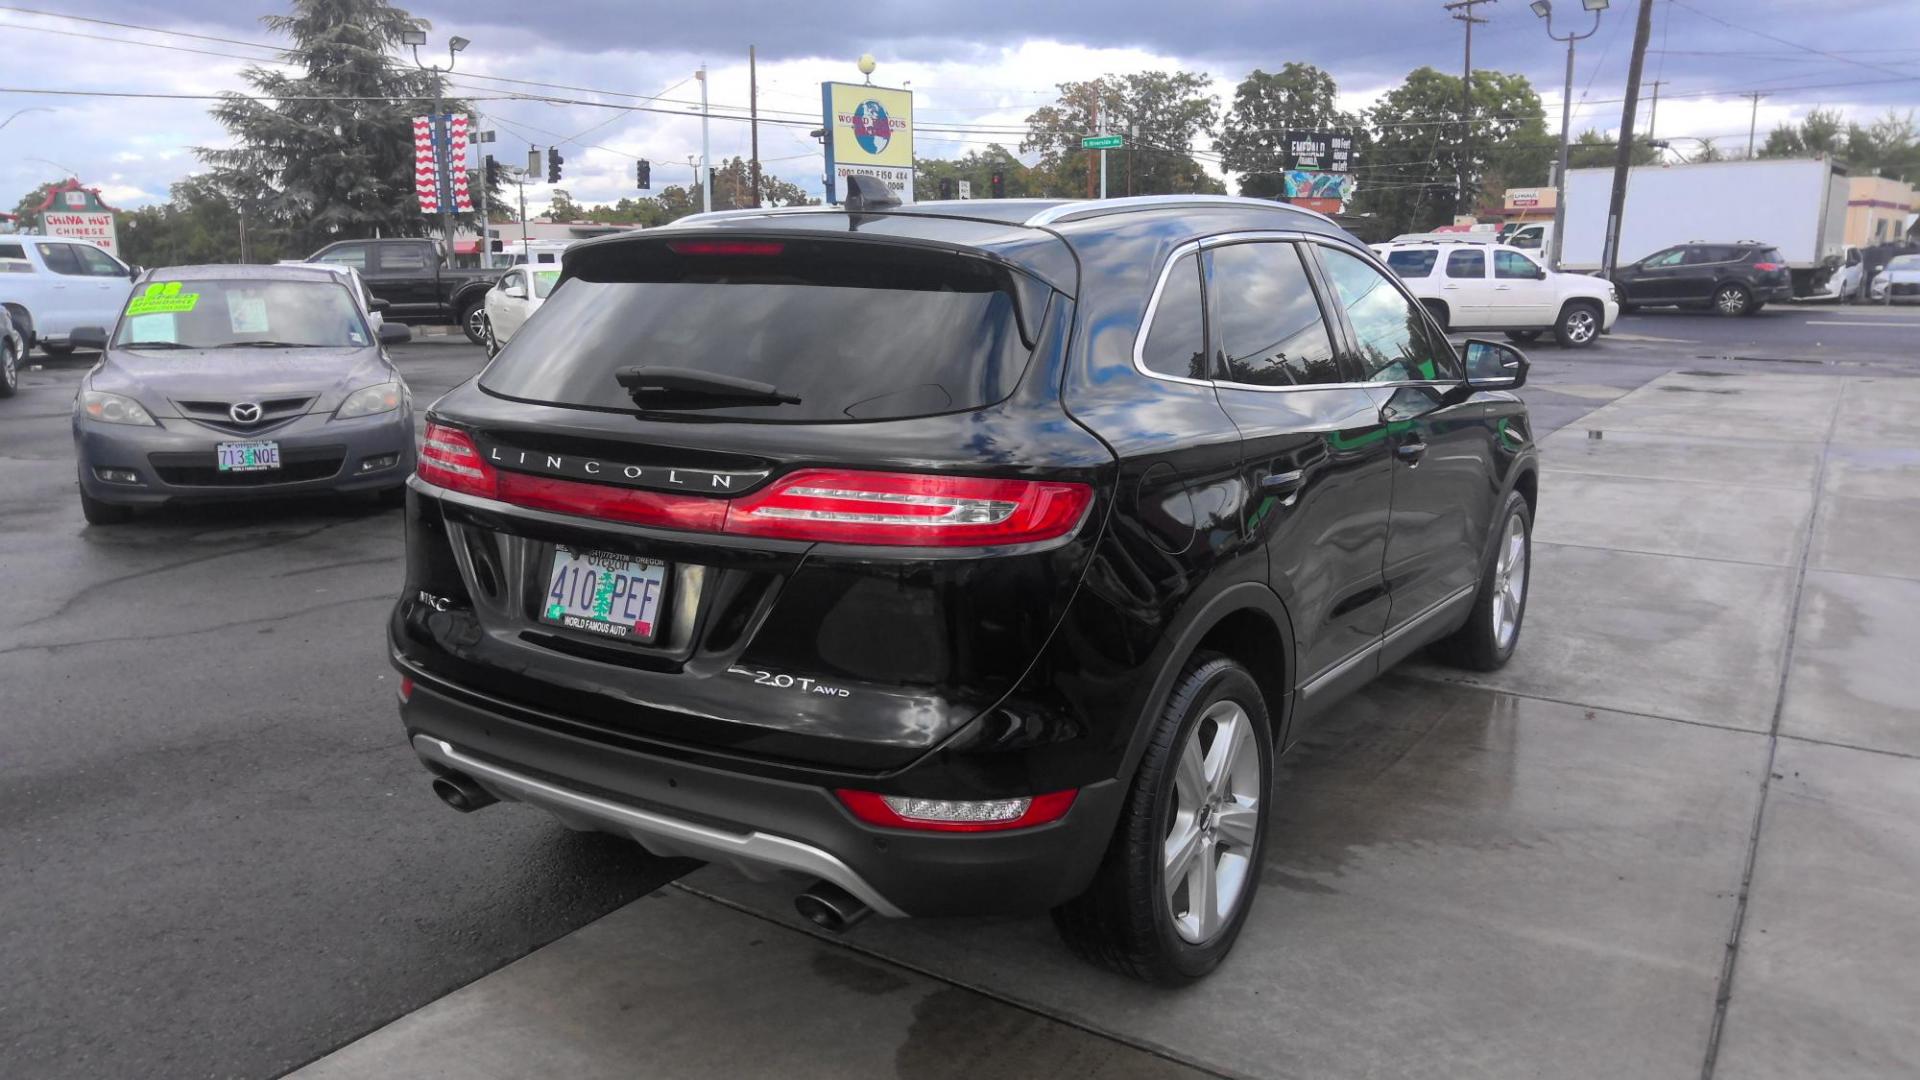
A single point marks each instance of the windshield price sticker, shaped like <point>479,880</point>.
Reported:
<point>162,298</point>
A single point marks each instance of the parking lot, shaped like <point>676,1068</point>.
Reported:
<point>1679,834</point>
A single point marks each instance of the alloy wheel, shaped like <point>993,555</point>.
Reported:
<point>476,323</point>
<point>1509,582</point>
<point>1580,326</point>
<point>1215,823</point>
<point>9,367</point>
<point>1730,301</point>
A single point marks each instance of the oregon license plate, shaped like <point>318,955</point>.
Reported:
<point>247,456</point>
<point>615,595</point>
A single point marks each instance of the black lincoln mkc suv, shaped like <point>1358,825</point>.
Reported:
<point>958,558</point>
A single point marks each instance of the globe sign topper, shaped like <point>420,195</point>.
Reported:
<point>871,127</point>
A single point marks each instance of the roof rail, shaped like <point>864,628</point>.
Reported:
<point>1093,207</point>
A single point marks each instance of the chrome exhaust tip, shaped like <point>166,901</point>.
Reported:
<point>461,793</point>
<point>830,907</point>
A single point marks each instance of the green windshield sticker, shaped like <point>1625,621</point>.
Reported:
<point>161,298</point>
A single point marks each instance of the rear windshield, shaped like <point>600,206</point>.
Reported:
<point>1412,264</point>
<point>856,331</point>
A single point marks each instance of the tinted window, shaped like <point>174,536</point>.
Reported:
<point>1177,339</point>
<point>60,258</point>
<point>354,255</point>
<point>404,259</point>
<point>1700,256</point>
<point>1415,263</point>
<point>1773,255</point>
<point>1669,257</point>
<point>1267,322</point>
<point>1394,345</point>
<point>13,251</point>
<point>1527,238</point>
<point>1467,264</point>
<point>1512,264</point>
<point>99,263</point>
<point>856,331</point>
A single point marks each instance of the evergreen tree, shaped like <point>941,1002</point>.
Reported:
<point>327,152</point>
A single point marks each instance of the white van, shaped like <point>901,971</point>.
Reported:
<point>51,284</point>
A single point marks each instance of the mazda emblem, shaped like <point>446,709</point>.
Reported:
<point>244,412</point>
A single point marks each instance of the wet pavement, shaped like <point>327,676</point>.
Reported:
<point>1678,836</point>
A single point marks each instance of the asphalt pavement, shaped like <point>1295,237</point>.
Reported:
<point>221,860</point>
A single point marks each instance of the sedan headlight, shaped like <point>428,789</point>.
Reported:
<point>114,409</point>
<point>370,400</point>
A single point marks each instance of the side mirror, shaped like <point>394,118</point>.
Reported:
<point>393,333</point>
<point>88,337</point>
<point>1493,365</point>
<point>134,272</point>
<point>518,292</point>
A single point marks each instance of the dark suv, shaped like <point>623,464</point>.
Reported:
<point>1732,279</point>
<point>961,558</point>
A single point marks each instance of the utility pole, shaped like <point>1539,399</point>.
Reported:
<point>1753,121</point>
<point>753,121</point>
<point>1623,161</point>
<point>1096,131</point>
<point>1463,12</point>
<point>1653,113</point>
<point>706,145</point>
<point>1544,9</point>
<point>1133,136</point>
<point>1103,163</point>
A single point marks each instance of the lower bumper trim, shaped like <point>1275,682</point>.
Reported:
<point>751,853</point>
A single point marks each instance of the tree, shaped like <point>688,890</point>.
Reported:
<point>977,169</point>
<point>1163,115</point>
<point>29,203</point>
<point>201,222</point>
<point>1414,157</point>
<point>561,207</point>
<point>733,188</point>
<point>1707,152</point>
<point>1265,106</point>
<point>327,152</point>
<point>1596,150</point>
<point>1821,132</point>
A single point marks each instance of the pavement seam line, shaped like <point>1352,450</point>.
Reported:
<point>1723,992</point>
<point>1151,1049</point>
<point>1443,680</point>
<point>1812,741</point>
<point>1666,554</point>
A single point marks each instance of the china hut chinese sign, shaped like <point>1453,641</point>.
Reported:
<point>77,212</point>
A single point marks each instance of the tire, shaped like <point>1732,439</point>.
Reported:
<point>9,369</point>
<point>1730,300</point>
<point>1437,309</point>
<point>1578,325</point>
<point>1488,639</point>
<point>103,513</point>
<point>472,318</point>
<point>1755,306</point>
<point>492,343</point>
<point>1524,336</point>
<point>1127,920</point>
<point>51,349</point>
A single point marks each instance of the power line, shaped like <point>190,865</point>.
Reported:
<point>1783,41</point>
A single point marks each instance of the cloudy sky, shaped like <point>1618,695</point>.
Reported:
<point>977,70</point>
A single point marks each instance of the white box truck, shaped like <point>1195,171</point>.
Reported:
<point>1798,205</point>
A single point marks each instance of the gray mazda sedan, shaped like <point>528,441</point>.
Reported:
<point>226,382</point>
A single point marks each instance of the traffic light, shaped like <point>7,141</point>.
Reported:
<point>949,188</point>
<point>554,161</point>
<point>643,174</point>
<point>493,172</point>
<point>999,185</point>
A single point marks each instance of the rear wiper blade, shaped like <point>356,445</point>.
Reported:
<point>647,383</point>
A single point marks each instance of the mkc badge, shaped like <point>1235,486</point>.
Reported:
<point>626,474</point>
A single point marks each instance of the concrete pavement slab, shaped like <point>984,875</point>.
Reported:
<point>1459,883</point>
<point>1782,466</point>
<point>1802,423</point>
<point>1867,536</point>
<point>1879,412</point>
<point>1691,639</point>
<point>674,986</point>
<point>1875,472</point>
<point>1852,679</point>
<point>1824,981</point>
<point>1700,519</point>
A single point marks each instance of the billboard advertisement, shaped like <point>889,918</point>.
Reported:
<point>1319,151</point>
<point>869,133</point>
<point>95,227</point>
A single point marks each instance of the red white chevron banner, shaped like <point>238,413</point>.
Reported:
<point>440,163</point>
<point>457,163</point>
<point>426,171</point>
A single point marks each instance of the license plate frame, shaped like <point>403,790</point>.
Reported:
<point>582,591</point>
<point>252,455</point>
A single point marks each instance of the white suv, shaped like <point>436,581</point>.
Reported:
<point>51,284</point>
<point>1481,286</point>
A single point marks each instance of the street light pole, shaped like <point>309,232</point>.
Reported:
<point>1544,9</point>
<point>443,155</point>
<point>706,145</point>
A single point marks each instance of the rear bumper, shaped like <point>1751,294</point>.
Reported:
<point>760,826</point>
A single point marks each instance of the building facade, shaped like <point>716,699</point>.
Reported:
<point>1877,210</point>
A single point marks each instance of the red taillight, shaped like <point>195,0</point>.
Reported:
<point>449,459</point>
<point>1768,266</point>
<point>847,507</point>
<point>956,815</point>
<point>725,247</point>
<point>406,689</point>
<point>614,504</point>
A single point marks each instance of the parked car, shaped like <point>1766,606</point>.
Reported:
<point>1899,281</point>
<point>236,382</point>
<point>950,556</point>
<point>51,284</point>
<point>514,297</point>
<point>13,350</point>
<point>1478,285</point>
<point>412,277</point>
<point>371,306</point>
<point>1731,279</point>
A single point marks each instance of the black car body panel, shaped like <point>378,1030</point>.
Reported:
<point>412,278</point>
<point>1311,530</point>
<point>1690,274</point>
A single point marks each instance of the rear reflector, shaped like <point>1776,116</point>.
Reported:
<point>956,815</point>
<point>725,247</point>
<point>406,688</point>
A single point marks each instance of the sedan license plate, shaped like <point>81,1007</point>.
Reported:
<point>247,456</point>
<point>614,595</point>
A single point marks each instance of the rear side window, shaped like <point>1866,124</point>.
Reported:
<point>1772,255</point>
<point>1512,264</point>
<point>1707,253</point>
<point>1467,264</point>
<point>856,331</point>
<point>354,255</point>
<point>1268,323</point>
<point>1415,263</point>
<point>13,251</point>
<point>1177,338</point>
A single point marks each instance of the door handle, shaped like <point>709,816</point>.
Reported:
<point>1287,483</point>
<point>1411,452</point>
